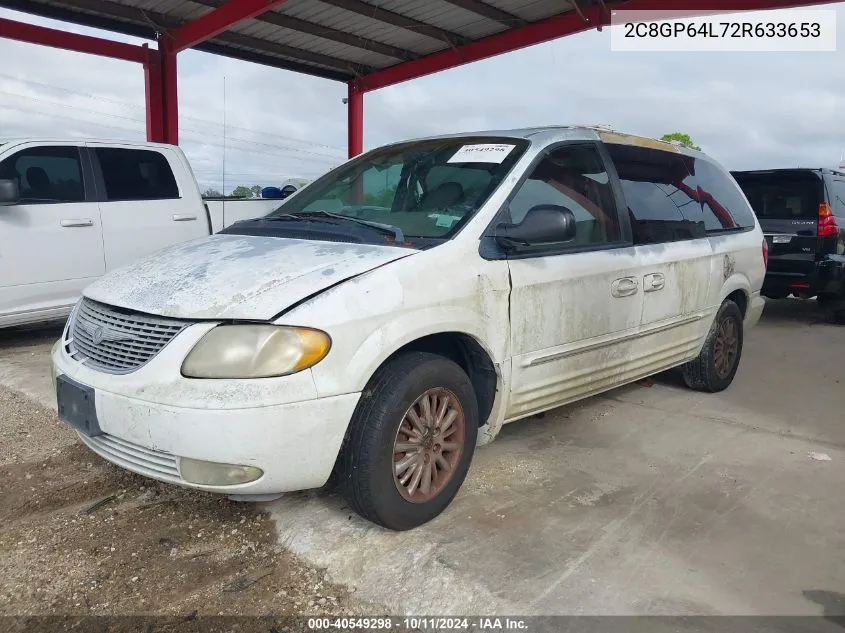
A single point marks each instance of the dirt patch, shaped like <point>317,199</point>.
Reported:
<point>83,537</point>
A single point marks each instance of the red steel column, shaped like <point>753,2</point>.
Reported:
<point>169,93</point>
<point>153,97</point>
<point>355,113</point>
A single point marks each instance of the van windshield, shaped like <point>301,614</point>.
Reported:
<point>782,195</point>
<point>426,189</point>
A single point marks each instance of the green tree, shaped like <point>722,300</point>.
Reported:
<point>242,191</point>
<point>211,192</point>
<point>682,138</point>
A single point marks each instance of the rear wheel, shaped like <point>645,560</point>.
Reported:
<point>716,365</point>
<point>410,441</point>
<point>834,308</point>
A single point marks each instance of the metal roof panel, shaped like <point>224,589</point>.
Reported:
<point>365,34</point>
<point>446,16</point>
<point>274,34</point>
<point>341,19</point>
<point>532,10</point>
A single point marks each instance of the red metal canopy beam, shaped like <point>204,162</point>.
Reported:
<point>44,36</point>
<point>355,120</point>
<point>554,28</point>
<point>153,97</point>
<point>217,21</point>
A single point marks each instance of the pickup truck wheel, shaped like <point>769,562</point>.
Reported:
<point>716,365</point>
<point>410,441</point>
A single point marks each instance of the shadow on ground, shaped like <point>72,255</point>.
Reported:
<point>786,311</point>
<point>30,335</point>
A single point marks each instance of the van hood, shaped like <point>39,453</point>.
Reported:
<point>236,276</point>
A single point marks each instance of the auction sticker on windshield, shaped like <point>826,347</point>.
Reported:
<point>482,153</point>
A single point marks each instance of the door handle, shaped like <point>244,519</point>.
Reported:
<point>80,222</point>
<point>625,287</point>
<point>182,217</point>
<point>654,282</point>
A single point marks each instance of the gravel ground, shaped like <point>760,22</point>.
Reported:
<point>82,537</point>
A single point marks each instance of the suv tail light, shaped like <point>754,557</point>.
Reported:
<point>827,221</point>
<point>765,253</point>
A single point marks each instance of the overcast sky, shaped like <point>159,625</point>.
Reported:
<point>748,110</point>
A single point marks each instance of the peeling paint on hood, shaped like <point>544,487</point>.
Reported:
<point>236,276</point>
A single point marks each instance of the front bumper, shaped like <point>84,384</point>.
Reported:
<point>295,444</point>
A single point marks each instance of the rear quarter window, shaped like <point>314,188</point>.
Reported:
<point>722,206</point>
<point>837,197</point>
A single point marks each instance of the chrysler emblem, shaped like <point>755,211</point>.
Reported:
<point>98,335</point>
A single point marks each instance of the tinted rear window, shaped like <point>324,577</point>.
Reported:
<point>131,174</point>
<point>782,196</point>
<point>671,196</point>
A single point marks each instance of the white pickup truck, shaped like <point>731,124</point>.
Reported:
<point>72,210</point>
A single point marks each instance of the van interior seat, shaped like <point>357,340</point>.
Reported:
<point>444,195</point>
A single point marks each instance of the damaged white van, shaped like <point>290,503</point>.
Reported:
<point>397,311</point>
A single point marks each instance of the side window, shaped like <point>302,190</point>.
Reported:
<point>722,206</point>
<point>572,177</point>
<point>46,174</point>
<point>837,196</point>
<point>662,205</point>
<point>131,174</point>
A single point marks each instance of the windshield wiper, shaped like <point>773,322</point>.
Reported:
<point>395,231</point>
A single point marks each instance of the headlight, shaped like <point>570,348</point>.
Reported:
<point>255,351</point>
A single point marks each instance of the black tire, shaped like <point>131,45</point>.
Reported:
<point>364,472</point>
<point>833,308</point>
<point>703,373</point>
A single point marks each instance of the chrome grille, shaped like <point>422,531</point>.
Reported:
<point>115,340</point>
<point>138,459</point>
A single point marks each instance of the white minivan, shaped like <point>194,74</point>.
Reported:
<point>400,309</point>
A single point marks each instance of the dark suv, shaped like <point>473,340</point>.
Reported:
<point>802,213</point>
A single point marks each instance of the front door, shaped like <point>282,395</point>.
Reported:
<point>575,309</point>
<point>51,243</point>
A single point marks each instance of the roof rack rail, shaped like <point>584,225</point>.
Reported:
<point>601,127</point>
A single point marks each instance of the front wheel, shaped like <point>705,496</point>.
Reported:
<point>716,365</point>
<point>410,441</point>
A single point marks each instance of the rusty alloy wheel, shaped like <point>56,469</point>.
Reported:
<point>725,347</point>
<point>428,445</point>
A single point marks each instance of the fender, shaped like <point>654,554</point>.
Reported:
<point>379,346</point>
<point>394,325</point>
<point>734,282</point>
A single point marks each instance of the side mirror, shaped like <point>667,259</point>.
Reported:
<point>543,224</point>
<point>9,193</point>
